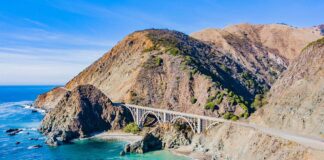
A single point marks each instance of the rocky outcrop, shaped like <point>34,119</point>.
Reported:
<point>49,100</point>
<point>164,136</point>
<point>80,113</point>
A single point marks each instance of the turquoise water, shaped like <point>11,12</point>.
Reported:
<point>14,115</point>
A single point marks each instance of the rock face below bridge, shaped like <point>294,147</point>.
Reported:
<point>163,136</point>
<point>81,112</point>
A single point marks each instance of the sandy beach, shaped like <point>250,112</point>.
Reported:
<point>187,151</point>
<point>119,135</point>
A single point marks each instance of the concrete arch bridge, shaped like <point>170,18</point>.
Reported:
<point>196,122</point>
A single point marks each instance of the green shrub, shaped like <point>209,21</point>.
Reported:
<point>234,118</point>
<point>153,62</point>
<point>131,128</point>
<point>154,47</point>
<point>173,51</point>
<point>244,107</point>
<point>188,59</point>
<point>158,61</point>
<point>193,100</point>
<point>246,115</point>
<point>224,68</point>
<point>259,101</point>
<point>210,105</point>
<point>219,100</point>
<point>246,75</point>
<point>230,116</point>
<point>227,115</point>
<point>193,71</point>
<point>231,94</point>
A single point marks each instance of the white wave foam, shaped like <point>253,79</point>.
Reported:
<point>19,103</point>
<point>24,104</point>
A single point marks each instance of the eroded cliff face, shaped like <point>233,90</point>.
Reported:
<point>80,113</point>
<point>296,100</point>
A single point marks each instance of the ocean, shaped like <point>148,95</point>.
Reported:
<point>14,113</point>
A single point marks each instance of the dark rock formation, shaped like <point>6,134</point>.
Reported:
<point>35,146</point>
<point>161,137</point>
<point>80,113</point>
<point>13,131</point>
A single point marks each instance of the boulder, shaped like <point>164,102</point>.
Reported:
<point>35,146</point>
<point>13,131</point>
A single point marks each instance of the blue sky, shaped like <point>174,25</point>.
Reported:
<point>50,41</point>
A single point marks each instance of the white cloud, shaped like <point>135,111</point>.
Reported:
<point>45,66</point>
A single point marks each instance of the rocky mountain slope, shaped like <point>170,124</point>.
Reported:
<point>265,50</point>
<point>296,100</point>
<point>295,105</point>
<point>81,112</point>
<point>170,70</point>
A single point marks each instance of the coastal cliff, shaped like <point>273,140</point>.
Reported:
<point>80,113</point>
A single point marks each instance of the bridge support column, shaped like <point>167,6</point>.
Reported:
<point>137,116</point>
<point>199,128</point>
<point>164,117</point>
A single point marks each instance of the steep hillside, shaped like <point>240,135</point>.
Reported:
<point>265,50</point>
<point>168,69</point>
<point>296,100</point>
<point>295,105</point>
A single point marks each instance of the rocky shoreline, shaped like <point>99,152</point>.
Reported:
<point>131,139</point>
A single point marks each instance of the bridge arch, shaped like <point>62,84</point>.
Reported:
<point>144,116</point>
<point>132,112</point>
<point>191,124</point>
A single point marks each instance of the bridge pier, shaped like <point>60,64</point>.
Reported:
<point>164,117</point>
<point>137,116</point>
<point>199,128</point>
